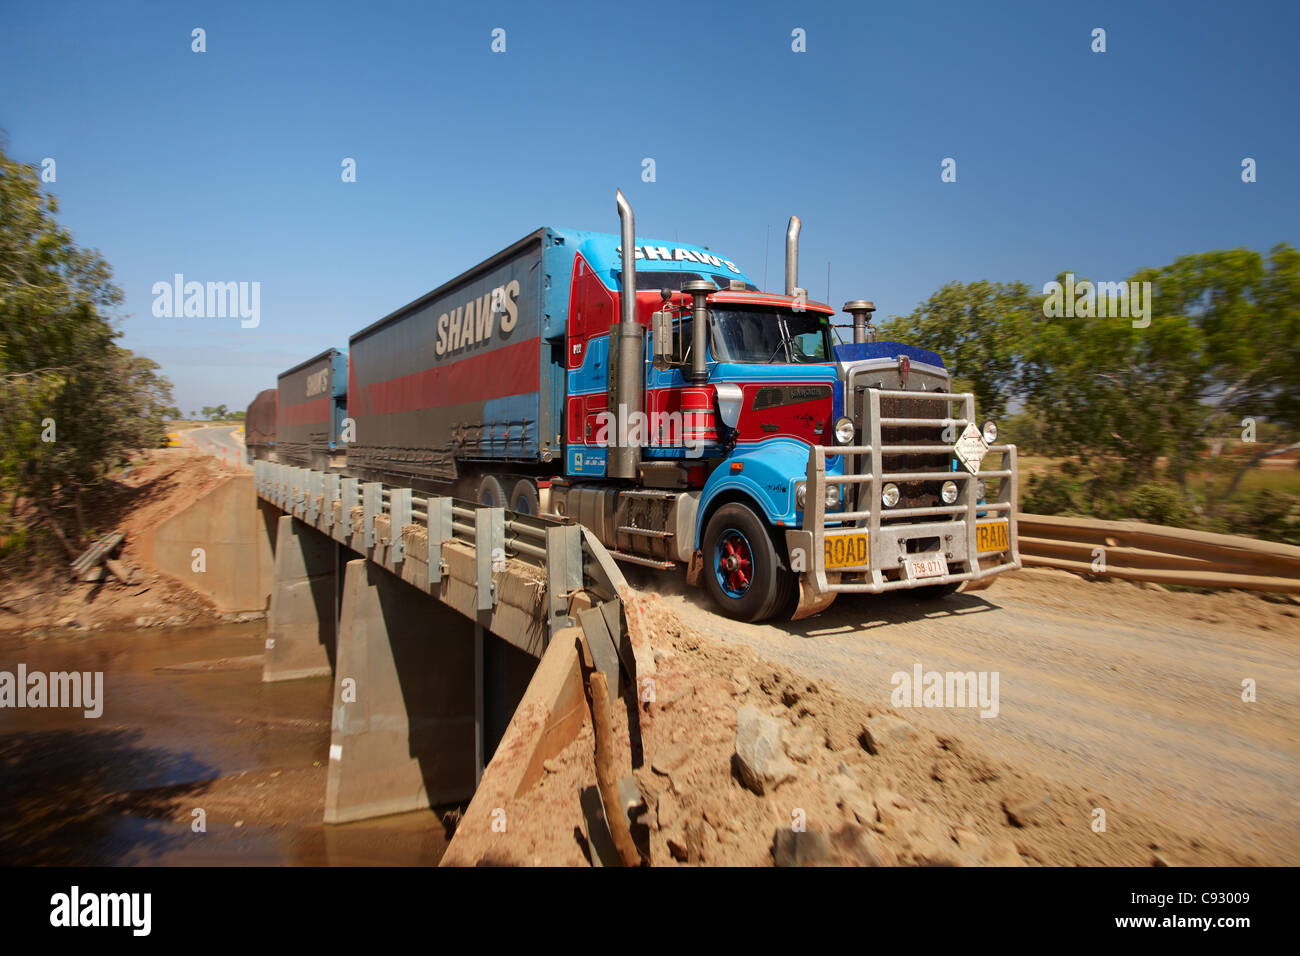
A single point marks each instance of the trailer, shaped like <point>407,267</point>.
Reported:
<point>259,425</point>
<point>312,406</point>
<point>461,377</point>
<point>469,386</point>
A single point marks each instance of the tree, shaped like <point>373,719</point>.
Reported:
<point>1246,310</point>
<point>976,328</point>
<point>1109,392</point>
<point>1135,405</point>
<point>72,402</point>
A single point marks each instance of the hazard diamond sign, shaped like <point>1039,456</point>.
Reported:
<point>971,448</point>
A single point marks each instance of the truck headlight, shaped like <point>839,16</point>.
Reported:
<point>800,494</point>
<point>990,432</point>
<point>949,492</point>
<point>889,495</point>
<point>832,496</point>
<point>844,431</point>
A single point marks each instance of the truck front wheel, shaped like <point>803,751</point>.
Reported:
<point>743,569</point>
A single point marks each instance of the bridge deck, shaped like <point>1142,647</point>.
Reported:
<point>522,577</point>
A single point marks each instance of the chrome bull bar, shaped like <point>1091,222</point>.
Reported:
<point>886,566</point>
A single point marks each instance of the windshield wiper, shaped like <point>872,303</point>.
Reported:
<point>783,344</point>
<point>779,347</point>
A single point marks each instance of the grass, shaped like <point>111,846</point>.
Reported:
<point>1277,477</point>
<point>1284,479</point>
<point>1274,479</point>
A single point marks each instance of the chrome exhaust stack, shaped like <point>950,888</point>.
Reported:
<point>627,359</point>
<point>792,256</point>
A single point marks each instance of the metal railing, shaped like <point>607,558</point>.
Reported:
<point>571,558</point>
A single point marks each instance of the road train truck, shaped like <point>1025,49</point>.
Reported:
<point>686,418</point>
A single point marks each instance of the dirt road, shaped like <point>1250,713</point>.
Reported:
<point>1133,692</point>
<point>219,442</point>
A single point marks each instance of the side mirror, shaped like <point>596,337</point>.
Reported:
<point>661,341</point>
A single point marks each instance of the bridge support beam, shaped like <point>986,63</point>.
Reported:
<point>300,623</point>
<point>403,733</point>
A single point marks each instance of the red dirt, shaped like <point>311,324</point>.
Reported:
<point>928,800</point>
<point>159,483</point>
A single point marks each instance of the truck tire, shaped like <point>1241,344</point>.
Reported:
<point>743,568</point>
<point>490,493</point>
<point>523,498</point>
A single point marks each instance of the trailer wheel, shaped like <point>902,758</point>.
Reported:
<point>523,499</point>
<point>490,493</point>
<point>743,569</point>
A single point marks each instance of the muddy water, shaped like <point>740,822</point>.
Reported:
<point>194,761</point>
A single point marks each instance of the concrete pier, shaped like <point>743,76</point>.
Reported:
<point>300,639</point>
<point>403,735</point>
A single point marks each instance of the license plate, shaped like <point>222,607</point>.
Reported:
<point>991,537</point>
<point>847,551</point>
<point>927,567</point>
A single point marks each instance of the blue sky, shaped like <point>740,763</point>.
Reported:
<point>225,165</point>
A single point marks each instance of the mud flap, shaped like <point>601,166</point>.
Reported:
<point>812,601</point>
<point>695,570</point>
<point>977,584</point>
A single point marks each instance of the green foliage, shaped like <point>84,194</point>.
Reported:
<point>976,327</point>
<point>1104,389</point>
<point>1266,513</point>
<point>72,401</point>
<point>1136,409</point>
<point>1052,494</point>
<point>1026,431</point>
<point>1160,502</point>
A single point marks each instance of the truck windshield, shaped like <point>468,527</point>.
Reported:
<point>770,336</point>
<point>652,281</point>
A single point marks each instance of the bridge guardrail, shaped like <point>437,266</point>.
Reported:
<point>1136,551</point>
<point>568,555</point>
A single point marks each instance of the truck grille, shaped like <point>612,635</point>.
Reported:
<point>915,494</point>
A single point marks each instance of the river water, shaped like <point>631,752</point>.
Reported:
<point>194,761</point>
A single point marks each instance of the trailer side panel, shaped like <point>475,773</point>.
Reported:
<point>456,376</point>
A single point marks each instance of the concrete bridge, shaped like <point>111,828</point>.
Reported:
<point>431,614</point>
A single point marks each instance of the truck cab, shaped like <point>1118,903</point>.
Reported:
<point>781,468</point>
